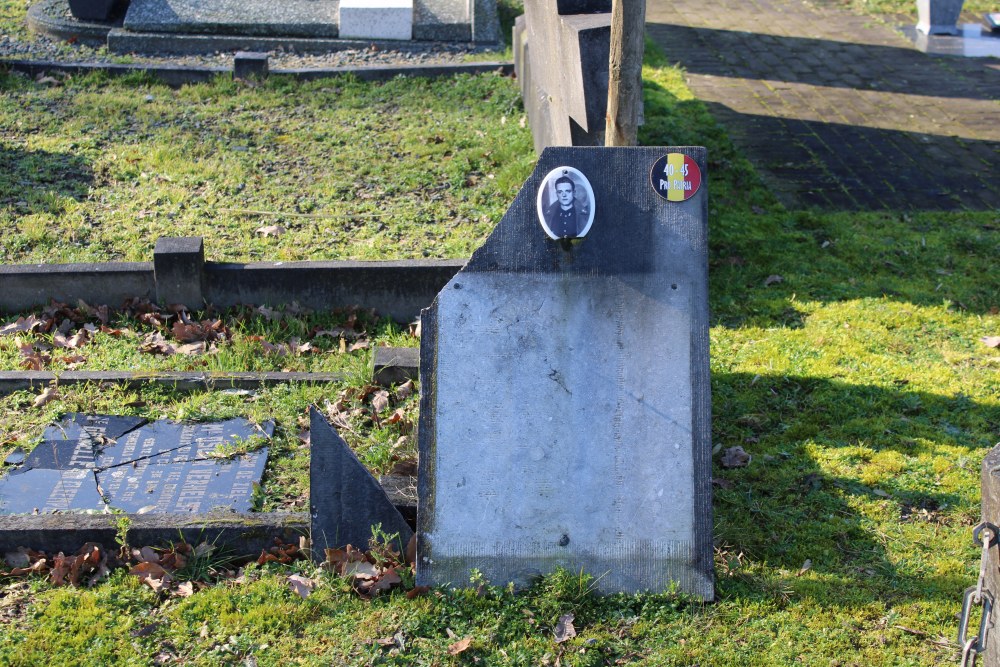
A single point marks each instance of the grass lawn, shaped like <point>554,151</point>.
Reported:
<point>858,381</point>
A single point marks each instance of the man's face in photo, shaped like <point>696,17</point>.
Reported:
<point>565,193</point>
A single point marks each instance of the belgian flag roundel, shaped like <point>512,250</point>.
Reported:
<point>675,177</point>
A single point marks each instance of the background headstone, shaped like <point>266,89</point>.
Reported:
<point>561,52</point>
<point>345,501</point>
<point>565,402</point>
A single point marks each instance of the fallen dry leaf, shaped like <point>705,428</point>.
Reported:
<point>301,586</point>
<point>50,394</point>
<point>404,390</point>
<point>271,230</point>
<point>991,341</point>
<point>21,325</point>
<point>564,628</point>
<point>806,566</point>
<point>735,457</point>
<point>773,279</point>
<point>460,646</point>
<point>380,401</point>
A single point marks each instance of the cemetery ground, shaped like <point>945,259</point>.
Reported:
<point>854,357</point>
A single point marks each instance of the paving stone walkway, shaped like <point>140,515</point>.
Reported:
<point>839,111</point>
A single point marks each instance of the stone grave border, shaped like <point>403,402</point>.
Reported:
<point>180,274</point>
<point>178,75</point>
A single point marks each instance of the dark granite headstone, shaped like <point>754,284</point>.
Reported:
<point>161,467</point>
<point>565,403</point>
<point>345,501</point>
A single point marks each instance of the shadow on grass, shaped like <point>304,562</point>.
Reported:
<point>927,259</point>
<point>38,181</point>
<point>895,454</point>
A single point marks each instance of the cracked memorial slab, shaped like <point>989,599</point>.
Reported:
<point>106,463</point>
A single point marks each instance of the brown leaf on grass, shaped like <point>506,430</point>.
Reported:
<point>153,575</point>
<point>417,591</point>
<point>735,457</point>
<point>155,343</point>
<point>73,360</point>
<point>380,401</point>
<point>301,586</point>
<point>21,325</point>
<point>50,394</point>
<point>32,359</point>
<point>206,330</point>
<point>271,230</point>
<point>991,341</point>
<point>337,332</point>
<point>40,566</point>
<point>404,391</point>
<point>415,329</point>
<point>359,345</point>
<point>564,628</point>
<point>773,279</point>
<point>460,646</point>
<point>76,341</point>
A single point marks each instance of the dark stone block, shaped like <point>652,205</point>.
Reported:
<point>250,64</point>
<point>395,365</point>
<point>583,6</point>
<point>95,10</point>
<point>345,501</point>
<point>178,267</point>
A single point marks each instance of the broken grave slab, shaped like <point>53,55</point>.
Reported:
<point>565,403</point>
<point>345,501</point>
<point>103,462</point>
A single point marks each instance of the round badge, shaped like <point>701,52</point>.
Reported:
<point>675,177</point>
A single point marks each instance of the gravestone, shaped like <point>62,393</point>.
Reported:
<point>561,52</point>
<point>565,405</point>
<point>98,462</point>
<point>345,501</point>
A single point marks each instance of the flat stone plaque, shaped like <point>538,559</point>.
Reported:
<point>98,462</point>
<point>565,401</point>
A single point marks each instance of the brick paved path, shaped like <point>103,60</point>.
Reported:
<point>839,111</point>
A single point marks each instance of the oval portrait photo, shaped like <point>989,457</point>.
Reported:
<point>566,204</point>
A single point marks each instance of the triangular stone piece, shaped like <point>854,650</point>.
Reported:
<point>345,501</point>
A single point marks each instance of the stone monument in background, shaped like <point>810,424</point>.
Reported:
<point>561,51</point>
<point>565,403</point>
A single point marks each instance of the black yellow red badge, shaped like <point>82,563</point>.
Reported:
<point>675,177</point>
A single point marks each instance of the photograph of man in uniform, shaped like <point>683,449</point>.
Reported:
<point>569,214</point>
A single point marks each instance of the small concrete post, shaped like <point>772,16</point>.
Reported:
<point>250,64</point>
<point>178,270</point>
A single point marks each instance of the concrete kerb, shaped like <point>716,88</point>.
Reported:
<point>396,289</point>
<point>178,76</point>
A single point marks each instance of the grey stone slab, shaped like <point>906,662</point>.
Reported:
<point>47,490</point>
<point>565,401</point>
<point>345,501</point>
<point>163,467</point>
<point>295,18</point>
<point>99,429</point>
<point>563,63</point>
